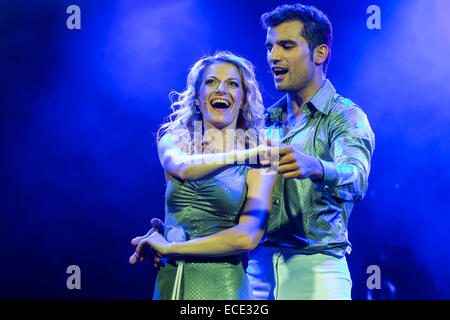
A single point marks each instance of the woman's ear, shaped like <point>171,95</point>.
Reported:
<point>243,104</point>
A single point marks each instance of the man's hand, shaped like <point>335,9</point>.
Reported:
<point>296,164</point>
<point>158,227</point>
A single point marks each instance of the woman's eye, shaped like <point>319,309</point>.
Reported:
<point>210,82</point>
<point>233,84</point>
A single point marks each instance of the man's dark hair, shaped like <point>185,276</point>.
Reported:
<point>317,28</point>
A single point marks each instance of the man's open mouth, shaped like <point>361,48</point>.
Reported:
<point>279,72</point>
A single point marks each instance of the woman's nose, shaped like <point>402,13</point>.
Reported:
<point>221,87</point>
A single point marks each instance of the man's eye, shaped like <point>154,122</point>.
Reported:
<point>288,47</point>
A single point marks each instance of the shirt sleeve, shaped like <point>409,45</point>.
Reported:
<point>352,143</point>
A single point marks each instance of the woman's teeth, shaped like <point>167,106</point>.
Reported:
<point>220,103</point>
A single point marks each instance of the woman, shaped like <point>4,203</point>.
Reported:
<point>215,208</point>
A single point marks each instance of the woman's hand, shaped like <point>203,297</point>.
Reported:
<point>158,243</point>
<point>157,227</point>
<point>258,156</point>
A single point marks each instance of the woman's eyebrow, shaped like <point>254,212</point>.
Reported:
<point>232,78</point>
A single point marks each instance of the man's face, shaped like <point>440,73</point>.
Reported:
<point>289,57</point>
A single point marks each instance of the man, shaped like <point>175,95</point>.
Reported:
<point>325,149</point>
<point>325,152</point>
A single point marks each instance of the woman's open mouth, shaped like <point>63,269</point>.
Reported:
<point>220,104</point>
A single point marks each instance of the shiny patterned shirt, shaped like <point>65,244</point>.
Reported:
<point>312,217</point>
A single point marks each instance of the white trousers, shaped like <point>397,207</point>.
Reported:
<point>284,274</point>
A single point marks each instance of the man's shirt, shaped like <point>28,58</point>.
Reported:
<point>313,217</point>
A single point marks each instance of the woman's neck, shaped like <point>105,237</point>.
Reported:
<point>220,139</point>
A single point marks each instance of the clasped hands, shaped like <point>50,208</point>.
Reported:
<point>274,156</point>
<point>290,162</point>
<point>152,243</point>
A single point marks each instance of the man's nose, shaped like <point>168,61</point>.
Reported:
<point>273,55</point>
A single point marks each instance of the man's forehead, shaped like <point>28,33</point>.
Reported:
<point>288,30</point>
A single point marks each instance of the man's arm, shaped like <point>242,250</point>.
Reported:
<point>351,147</point>
<point>352,143</point>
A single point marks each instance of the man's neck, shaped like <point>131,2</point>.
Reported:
<point>297,99</point>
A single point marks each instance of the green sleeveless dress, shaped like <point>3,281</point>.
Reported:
<point>196,209</point>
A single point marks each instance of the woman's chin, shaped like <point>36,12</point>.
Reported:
<point>220,124</point>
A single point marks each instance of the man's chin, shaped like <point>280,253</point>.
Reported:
<point>280,87</point>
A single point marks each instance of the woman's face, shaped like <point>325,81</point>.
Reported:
<point>221,95</point>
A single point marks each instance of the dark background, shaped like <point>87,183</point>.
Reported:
<point>80,176</point>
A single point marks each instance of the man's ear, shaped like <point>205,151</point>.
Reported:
<point>320,54</point>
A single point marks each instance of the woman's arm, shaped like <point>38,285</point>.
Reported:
<point>243,237</point>
<point>175,159</point>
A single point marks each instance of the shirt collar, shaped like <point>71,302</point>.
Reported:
<point>321,101</point>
